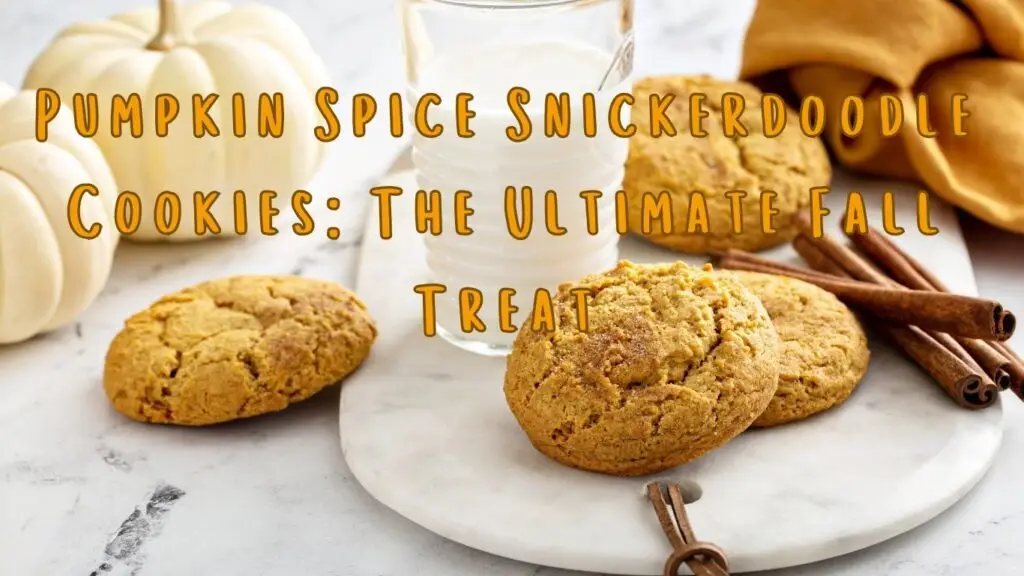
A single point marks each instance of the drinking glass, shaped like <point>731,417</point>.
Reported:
<point>555,49</point>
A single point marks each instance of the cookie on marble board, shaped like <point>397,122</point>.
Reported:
<point>789,165</point>
<point>823,349</point>
<point>235,348</point>
<point>675,362</point>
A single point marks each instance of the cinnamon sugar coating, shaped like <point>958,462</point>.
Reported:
<point>676,362</point>
<point>789,165</point>
<point>823,349</point>
<point>235,348</point>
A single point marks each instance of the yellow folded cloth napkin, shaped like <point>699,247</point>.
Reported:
<point>904,48</point>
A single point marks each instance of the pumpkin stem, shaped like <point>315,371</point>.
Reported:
<point>169,32</point>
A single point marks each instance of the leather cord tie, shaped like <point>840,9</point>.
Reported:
<point>703,558</point>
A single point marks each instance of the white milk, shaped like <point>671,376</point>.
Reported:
<point>491,259</point>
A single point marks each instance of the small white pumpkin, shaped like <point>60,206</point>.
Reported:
<point>199,48</point>
<point>48,273</point>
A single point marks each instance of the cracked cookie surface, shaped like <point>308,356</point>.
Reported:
<point>235,348</point>
<point>789,165</point>
<point>676,361</point>
<point>823,349</point>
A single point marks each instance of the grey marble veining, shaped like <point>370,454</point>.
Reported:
<point>272,495</point>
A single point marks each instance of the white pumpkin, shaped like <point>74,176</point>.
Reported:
<point>48,273</point>
<point>199,48</point>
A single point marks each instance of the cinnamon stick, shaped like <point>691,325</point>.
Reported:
<point>958,315</point>
<point>848,260</point>
<point>1010,352</point>
<point>1015,369</point>
<point>994,362</point>
<point>966,316</point>
<point>939,286</point>
<point>885,252</point>
<point>817,260</point>
<point>733,255</point>
<point>852,263</point>
<point>1001,364</point>
<point>956,377</point>
<point>953,374</point>
<point>867,273</point>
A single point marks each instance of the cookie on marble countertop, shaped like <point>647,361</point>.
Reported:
<point>789,165</point>
<point>676,362</point>
<point>823,349</point>
<point>235,348</point>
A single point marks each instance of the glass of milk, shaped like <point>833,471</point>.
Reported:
<point>575,49</point>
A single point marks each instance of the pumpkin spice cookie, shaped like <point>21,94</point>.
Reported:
<point>676,361</point>
<point>235,348</point>
<point>789,165</point>
<point>823,350</point>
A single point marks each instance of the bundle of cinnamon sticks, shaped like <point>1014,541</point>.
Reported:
<point>959,340</point>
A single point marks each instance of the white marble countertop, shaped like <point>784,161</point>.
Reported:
<point>272,495</point>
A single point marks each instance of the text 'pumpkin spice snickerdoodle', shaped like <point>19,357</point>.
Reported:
<point>688,169</point>
<point>676,361</point>
<point>235,348</point>
<point>823,350</point>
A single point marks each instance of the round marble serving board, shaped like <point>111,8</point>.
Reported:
<point>425,429</point>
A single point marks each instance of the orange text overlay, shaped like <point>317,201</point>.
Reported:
<point>471,300</point>
<point>130,114</point>
<point>166,212</point>
<point>522,211</point>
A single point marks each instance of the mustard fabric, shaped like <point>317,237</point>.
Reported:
<point>905,48</point>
